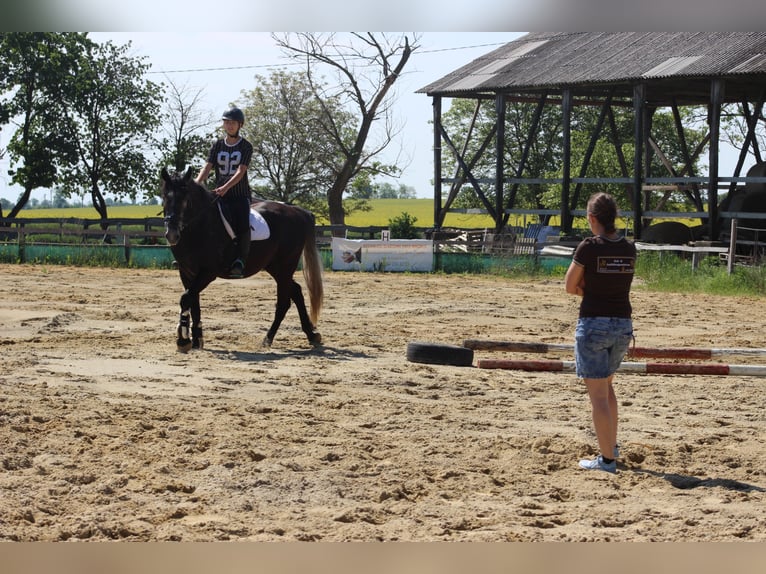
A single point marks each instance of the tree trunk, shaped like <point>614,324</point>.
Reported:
<point>20,203</point>
<point>335,205</point>
<point>100,206</point>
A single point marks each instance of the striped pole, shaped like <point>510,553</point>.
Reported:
<point>637,352</point>
<point>628,367</point>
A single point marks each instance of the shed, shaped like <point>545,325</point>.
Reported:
<point>643,71</point>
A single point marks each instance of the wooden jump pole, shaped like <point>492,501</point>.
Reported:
<point>637,352</point>
<point>628,367</point>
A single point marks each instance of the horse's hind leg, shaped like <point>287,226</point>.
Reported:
<point>287,291</point>
<point>308,327</point>
<point>283,304</point>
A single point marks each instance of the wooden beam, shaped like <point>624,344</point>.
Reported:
<point>525,152</point>
<point>499,157</point>
<point>716,99</point>
<point>591,147</point>
<point>437,115</point>
<point>639,109</point>
<point>489,207</point>
<point>566,111</point>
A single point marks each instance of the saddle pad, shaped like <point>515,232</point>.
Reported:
<point>259,229</point>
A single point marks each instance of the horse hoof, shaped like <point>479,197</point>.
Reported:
<point>315,339</point>
<point>184,346</point>
<point>266,342</point>
<point>198,344</point>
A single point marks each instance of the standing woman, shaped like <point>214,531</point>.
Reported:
<point>601,273</point>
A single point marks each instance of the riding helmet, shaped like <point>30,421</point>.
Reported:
<point>234,114</point>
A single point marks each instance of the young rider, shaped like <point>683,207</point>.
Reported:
<point>229,157</point>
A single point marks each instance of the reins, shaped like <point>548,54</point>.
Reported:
<point>188,223</point>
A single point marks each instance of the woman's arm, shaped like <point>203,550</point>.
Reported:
<point>574,281</point>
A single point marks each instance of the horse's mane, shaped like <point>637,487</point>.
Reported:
<point>196,190</point>
<point>202,189</point>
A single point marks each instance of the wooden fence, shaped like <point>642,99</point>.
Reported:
<point>150,231</point>
<point>17,234</point>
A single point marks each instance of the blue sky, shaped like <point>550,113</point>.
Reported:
<point>223,64</point>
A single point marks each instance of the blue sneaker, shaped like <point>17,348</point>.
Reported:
<point>599,464</point>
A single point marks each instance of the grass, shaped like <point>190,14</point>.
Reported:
<point>114,212</point>
<point>671,273</point>
<point>382,211</point>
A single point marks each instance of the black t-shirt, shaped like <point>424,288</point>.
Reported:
<point>226,159</point>
<point>609,267</point>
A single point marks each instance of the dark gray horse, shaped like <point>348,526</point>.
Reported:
<point>203,248</point>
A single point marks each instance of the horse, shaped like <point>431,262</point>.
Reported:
<point>203,249</point>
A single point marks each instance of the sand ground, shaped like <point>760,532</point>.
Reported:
<point>108,433</point>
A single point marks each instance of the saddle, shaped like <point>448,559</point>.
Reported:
<point>259,228</point>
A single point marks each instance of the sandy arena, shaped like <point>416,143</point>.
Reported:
<point>108,433</point>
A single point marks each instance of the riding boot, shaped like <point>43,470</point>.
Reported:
<point>243,244</point>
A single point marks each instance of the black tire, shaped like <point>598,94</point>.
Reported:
<point>439,354</point>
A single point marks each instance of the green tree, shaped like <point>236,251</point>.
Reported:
<point>365,67</point>
<point>470,128</point>
<point>33,67</point>
<point>107,113</point>
<point>403,226</point>
<point>291,150</point>
<point>734,128</point>
<point>362,188</point>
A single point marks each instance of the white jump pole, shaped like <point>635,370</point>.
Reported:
<point>664,353</point>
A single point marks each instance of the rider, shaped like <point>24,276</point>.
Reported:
<point>230,156</point>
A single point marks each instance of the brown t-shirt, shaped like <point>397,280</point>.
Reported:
<point>609,266</point>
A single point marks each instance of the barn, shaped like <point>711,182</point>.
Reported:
<point>637,71</point>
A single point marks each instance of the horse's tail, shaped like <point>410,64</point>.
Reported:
<point>312,273</point>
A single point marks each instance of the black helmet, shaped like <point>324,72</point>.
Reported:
<point>234,114</point>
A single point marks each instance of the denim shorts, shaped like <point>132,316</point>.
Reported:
<point>600,345</point>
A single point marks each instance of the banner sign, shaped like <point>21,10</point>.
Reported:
<point>378,255</point>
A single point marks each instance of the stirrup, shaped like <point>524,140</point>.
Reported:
<point>237,269</point>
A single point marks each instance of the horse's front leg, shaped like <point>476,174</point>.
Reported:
<point>189,330</point>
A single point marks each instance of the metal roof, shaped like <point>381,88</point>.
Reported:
<point>671,64</point>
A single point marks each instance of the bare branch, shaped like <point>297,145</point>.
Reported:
<point>365,67</point>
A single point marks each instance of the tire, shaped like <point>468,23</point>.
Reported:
<point>439,354</point>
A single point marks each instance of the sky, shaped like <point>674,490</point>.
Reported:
<point>223,64</point>
<point>209,45</point>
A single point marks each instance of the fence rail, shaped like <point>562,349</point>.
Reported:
<point>21,239</point>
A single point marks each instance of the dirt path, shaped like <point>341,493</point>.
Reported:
<point>106,432</point>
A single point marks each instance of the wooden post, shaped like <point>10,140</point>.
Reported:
<point>499,156</point>
<point>437,112</point>
<point>126,247</point>
<point>638,141</point>
<point>566,111</point>
<point>732,246</point>
<point>716,100</point>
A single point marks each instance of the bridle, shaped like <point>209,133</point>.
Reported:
<point>170,219</point>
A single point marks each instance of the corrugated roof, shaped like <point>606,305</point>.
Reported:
<point>553,60</point>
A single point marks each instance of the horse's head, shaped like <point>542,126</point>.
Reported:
<point>178,193</point>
